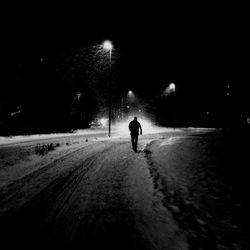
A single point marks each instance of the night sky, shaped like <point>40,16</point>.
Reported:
<point>201,49</point>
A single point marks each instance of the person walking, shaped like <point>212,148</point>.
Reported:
<point>134,127</point>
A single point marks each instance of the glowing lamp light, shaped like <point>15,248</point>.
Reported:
<point>104,121</point>
<point>148,126</point>
<point>172,87</point>
<point>107,45</point>
<point>130,92</point>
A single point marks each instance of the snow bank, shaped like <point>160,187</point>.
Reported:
<point>23,138</point>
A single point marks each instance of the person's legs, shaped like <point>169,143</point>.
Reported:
<point>136,141</point>
<point>133,141</point>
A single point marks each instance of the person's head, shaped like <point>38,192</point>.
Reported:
<point>135,118</point>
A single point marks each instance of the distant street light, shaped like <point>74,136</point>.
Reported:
<point>170,91</point>
<point>107,45</point>
<point>172,87</point>
<point>129,94</point>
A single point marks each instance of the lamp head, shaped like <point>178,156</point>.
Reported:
<point>172,87</point>
<point>107,45</point>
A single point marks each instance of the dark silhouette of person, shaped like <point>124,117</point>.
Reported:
<point>134,127</point>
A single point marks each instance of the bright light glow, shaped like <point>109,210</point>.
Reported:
<point>104,121</point>
<point>107,45</point>
<point>172,87</point>
<point>131,95</point>
<point>148,127</point>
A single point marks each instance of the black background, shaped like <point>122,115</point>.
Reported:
<point>201,48</point>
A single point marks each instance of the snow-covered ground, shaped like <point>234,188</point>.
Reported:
<point>88,190</point>
<point>28,138</point>
<point>118,130</point>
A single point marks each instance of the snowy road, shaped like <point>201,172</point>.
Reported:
<point>99,194</point>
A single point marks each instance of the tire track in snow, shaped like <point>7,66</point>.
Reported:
<point>13,191</point>
<point>68,211</point>
<point>43,206</point>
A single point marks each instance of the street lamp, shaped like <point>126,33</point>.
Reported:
<point>172,87</point>
<point>107,45</point>
<point>129,94</point>
<point>169,91</point>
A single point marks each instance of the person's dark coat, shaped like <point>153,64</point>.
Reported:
<point>134,127</point>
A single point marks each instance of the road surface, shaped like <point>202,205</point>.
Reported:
<point>176,192</point>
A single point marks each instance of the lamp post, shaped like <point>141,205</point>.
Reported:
<point>172,89</point>
<point>107,45</point>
